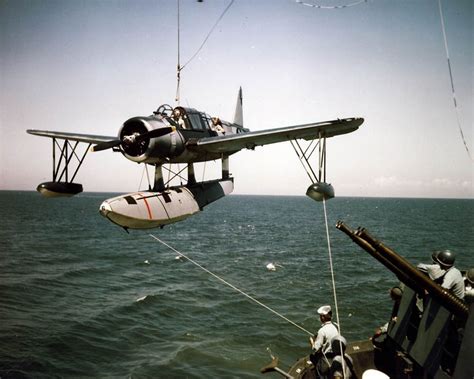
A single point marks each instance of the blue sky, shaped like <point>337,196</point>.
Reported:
<point>87,66</point>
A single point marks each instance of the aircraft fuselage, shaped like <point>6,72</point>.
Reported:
<point>177,145</point>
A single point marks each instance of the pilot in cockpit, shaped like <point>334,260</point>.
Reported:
<point>178,117</point>
<point>217,125</point>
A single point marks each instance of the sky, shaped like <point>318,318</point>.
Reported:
<point>87,66</point>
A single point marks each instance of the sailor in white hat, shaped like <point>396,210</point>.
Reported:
<point>321,342</point>
<point>324,310</point>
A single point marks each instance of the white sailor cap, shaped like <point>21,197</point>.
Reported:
<point>374,374</point>
<point>324,310</point>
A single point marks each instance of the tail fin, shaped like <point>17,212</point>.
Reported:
<point>239,116</point>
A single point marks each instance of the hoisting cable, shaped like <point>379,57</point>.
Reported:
<point>231,285</point>
<point>178,72</point>
<point>331,267</point>
<point>209,34</point>
<point>180,68</point>
<point>329,6</point>
<point>451,78</point>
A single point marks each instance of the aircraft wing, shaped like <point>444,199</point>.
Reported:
<point>236,142</point>
<point>87,138</point>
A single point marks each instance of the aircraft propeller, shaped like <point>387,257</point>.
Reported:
<point>133,138</point>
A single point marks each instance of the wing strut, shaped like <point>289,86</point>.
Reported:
<point>67,157</point>
<point>59,187</point>
<point>319,190</point>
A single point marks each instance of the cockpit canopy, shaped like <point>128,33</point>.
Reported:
<point>190,118</point>
<point>186,118</point>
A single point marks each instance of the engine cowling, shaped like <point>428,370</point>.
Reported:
<point>148,150</point>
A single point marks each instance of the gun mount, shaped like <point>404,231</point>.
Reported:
<point>432,333</point>
<point>429,334</point>
<point>406,272</point>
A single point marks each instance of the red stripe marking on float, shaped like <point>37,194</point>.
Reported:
<point>147,207</point>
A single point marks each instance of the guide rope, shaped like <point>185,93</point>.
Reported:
<point>231,285</point>
<point>333,280</point>
<point>204,171</point>
<point>452,81</point>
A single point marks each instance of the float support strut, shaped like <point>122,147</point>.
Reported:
<point>191,176</point>
<point>225,167</point>
<point>159,185</point>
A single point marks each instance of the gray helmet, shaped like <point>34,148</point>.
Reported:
<point>396,293</point>
<point>470,276</point>
<point>446,258</point>
<point>337,342</point>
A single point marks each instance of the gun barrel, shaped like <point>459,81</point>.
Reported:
<point>405,271</point>
<point>401,275</point>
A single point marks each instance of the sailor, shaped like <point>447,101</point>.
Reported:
<point>341,365</point>
<point>434,271</point>
<point>469,286</point>
<point>396,295</point>
<point>453,279</point>
<point>447,275</point>
<point>321,342</point>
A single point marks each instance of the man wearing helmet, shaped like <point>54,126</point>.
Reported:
<point>444,273</point>
<point>434,271</point>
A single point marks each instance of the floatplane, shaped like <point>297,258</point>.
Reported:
<point>183,135</point>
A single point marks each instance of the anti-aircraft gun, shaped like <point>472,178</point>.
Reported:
<point>433,335</point>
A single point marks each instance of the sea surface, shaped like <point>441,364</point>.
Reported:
<point>79,297</point>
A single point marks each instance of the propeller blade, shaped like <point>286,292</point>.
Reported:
<point>106,145</point>
<point>151,134</point>
<point>155,133</point>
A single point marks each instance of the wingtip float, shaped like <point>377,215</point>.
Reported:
<point>320,191</point>
<point>59,189</point>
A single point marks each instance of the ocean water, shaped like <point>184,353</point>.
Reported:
<point>79,297</point>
